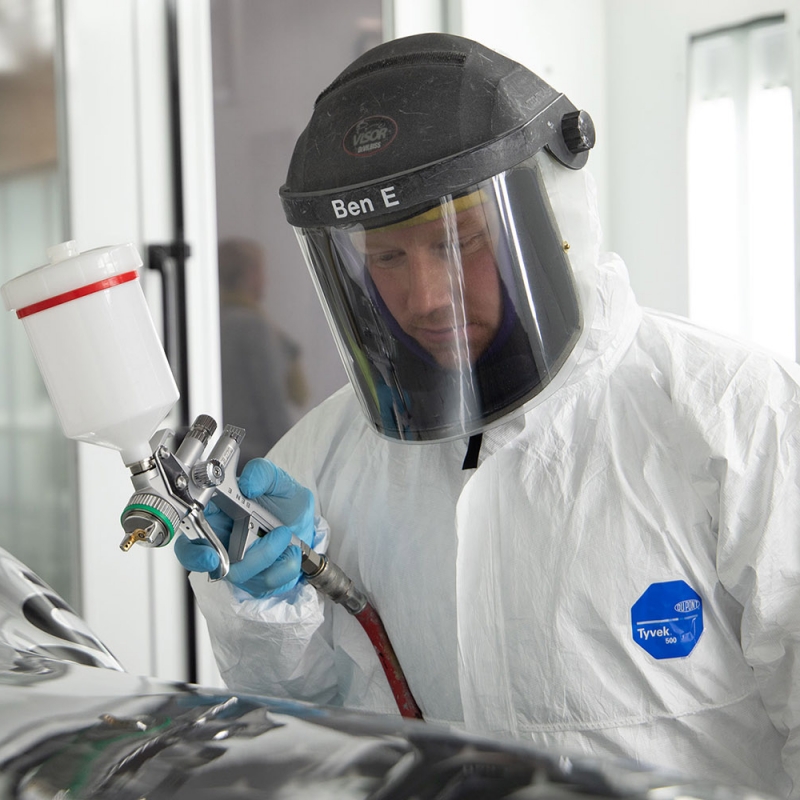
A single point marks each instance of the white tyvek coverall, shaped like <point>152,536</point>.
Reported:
<point>670,454</point>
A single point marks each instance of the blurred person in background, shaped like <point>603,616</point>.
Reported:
<point>262,373</point>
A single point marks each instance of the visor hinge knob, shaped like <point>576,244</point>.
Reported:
<point>577,129</point>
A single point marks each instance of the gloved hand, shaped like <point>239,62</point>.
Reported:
<point>271,565</point>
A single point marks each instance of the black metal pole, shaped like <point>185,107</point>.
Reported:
<point>173,261</point>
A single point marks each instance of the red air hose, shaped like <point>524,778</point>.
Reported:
<point>328,578</point>
<point>373,627</point>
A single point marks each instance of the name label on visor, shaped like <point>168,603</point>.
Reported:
<point>364,205</point>
<point>667,620</point>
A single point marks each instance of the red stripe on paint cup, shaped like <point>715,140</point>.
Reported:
<point>74,294</point>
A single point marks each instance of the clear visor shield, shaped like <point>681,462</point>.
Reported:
<point>450,319</point>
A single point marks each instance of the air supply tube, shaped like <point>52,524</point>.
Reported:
<point>373,627</point>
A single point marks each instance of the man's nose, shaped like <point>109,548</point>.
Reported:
<point>432,282</point>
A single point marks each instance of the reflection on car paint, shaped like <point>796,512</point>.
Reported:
<point>73,724</point>
<point>35,620</point>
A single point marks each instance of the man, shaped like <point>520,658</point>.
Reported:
<point>576,519</point>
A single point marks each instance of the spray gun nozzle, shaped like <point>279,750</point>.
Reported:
<point>139,535</point>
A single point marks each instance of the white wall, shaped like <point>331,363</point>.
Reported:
<point>647,106</point>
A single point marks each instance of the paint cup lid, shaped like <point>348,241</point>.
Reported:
<point>69,270</point>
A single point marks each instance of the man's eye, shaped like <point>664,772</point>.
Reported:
<point>470,244</point>
<point>390,258</point>
<point>465,245</point>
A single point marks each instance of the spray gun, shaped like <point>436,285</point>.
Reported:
<point>174,485</point>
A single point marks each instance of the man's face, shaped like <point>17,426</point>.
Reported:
<point>439,281</point>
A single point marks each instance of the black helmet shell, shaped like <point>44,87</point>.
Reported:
<point>418,118</point>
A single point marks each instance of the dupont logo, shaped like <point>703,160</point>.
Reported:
<point>686,606</point>
<point>369,136</point>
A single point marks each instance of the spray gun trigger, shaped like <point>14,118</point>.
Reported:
<point>206,531</point>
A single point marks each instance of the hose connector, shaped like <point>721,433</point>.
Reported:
<point>328,578</point>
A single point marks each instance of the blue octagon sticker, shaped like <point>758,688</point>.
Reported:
<point>667,620</point>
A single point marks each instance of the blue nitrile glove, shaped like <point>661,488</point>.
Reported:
<point>271,565</point>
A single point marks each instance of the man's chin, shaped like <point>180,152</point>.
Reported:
<point>456,351</point>
<point>456,359</point>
